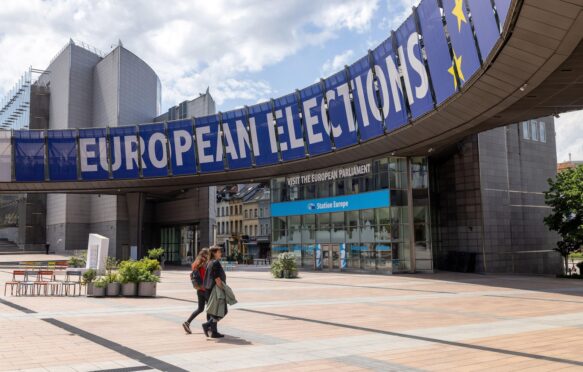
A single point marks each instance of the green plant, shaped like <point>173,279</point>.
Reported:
<point>148,277</point>
<point>101,282</point>
<point>111,264</point>
<point>276,268</point>
<point>565,197</point>
<point>150,264</point>
<point>130,271</point>
<point>155,253</point>
<point>89,276</point>
<point>288,261</point>
<point>78,260</point>
<point>112,278</point>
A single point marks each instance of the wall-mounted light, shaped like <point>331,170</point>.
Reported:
<point>522,88</point>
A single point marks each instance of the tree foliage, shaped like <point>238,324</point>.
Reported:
<point>565,197</point>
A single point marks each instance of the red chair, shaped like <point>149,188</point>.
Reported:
<point>18,276</point>
<point>46,280</point>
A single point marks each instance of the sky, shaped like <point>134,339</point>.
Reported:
<point>246,51</point>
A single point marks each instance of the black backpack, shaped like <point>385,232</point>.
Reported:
<point>196,279</point>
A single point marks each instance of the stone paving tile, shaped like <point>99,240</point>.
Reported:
<point>322,321</point>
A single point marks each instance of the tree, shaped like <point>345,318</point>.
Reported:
<point>565,197</point>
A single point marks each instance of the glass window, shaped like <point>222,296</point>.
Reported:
<point>294,193</point>
<point>338,231</point>
<point>310,191</point>
<point>323,227</point>
<point>255,213</point>
<point>382,216</point>
<point>246,214</point>
<point>340,187</point>
<point>351,218</point>
<point>419,173</point>
<point>534,130</point>
<point>525,130</point>
<point>542,131</point>
<point>325,189</point>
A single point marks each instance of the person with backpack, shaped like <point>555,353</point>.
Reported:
<point>197,279</point>
<point>214,277</point>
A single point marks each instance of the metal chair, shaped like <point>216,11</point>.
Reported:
<point>18,276</point>
<point>30,277</point>
<point>72,279</point>
<point>46,280</point>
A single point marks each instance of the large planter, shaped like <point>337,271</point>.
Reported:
<point>113,289</point>
<point>129,289</point>
<point>147,289</point>
<point>98,291</point>
<point>89,288</point>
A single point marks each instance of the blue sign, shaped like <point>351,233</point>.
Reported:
<point>414,73</point>
<point>236,139</point>
<point>209,144</point>
<point>124,152</point>
<point>153,147</point>
<point>365,103</point>
<point>465,55</point>
<point>340,115</point>
<point>317,130</point>
<point>94,164</point>
<point>181,138</point>
<point>487,31</point>
<point>29,155</point>
<point>502,7</point>
<point>382,248</point>
<point>437,50</point>
<point>289,128</point>
<point>344,203</point>
<point>62,146</point>
<point>263,134</point>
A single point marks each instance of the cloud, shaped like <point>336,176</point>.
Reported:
<point>569,130</point>
<point>337,62</point>
<point>190,44</point>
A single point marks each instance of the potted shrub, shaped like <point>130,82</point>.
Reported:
<point>99,287</point>
<point>151,265</point>
<point>88,278</point>
<point>288,263</point>
<point>147,285</point>
<point>156,254</point>
<point>77,261</point>
<point>113,285</point>
<point>277,268</point>
<point>129,273</point>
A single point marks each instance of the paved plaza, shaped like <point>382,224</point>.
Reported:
<point>319,322</point>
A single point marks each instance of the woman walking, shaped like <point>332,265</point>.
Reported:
<point>197,278</point>
<point>215,277</point>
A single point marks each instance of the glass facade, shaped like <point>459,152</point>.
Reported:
<point>376,239</point>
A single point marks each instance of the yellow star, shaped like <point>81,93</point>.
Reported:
<point>458,12</point>
<point>456,64</point>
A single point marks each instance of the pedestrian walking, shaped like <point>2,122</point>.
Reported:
<point>197,278</point>
<point>218,293</point>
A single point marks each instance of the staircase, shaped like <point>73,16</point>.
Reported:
<point>9,247</point>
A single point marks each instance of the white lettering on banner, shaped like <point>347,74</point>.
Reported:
<point>131,151</point>
<point>417,65</point>
<point>229,145</point>
<point>163,161</point>
<point>116,154</point>
<point>333,204</point>
<point>243,138</point>
<point>142,152</point>
<point>295,141</point>
<point>182,143</point>
<point>103,153</point>
<point>280,131</point>
<point>203,144</point>
<point>362,101</point>
<point>253,129</point>
<point>336,130</point>
<point>271,129</point>
<point>87,154</point>
<point>311,121</point>
<point>344,92</point>
<point>394,81</point>
<point>406,78</point>
<point>331,175</point>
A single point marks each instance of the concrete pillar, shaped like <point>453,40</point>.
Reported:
<point>135,202</point>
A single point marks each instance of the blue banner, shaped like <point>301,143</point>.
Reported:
<point>236,139</point>
<point>437,50</point>
<point>289,128</point>
<point>344,203</point>
<point>485,25</point>
<point>62,146</point>
<point>502,7</point>
<point>29,155</point>
<point>93,154</point>
<point>263,134</point>
<point>209,144</point>
<point>182,154</point>
<point>364,103</point>
<point>155,153</point>
<point>391,96</point>
<point>317,131</point>
<point>340,115</point>
<point>124,152</point>
<point>462,40</point>
<point>413,68</point>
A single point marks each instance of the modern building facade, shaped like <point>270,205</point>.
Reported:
<point>475,207</point>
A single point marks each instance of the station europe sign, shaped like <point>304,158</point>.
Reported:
<point>344,203</point>
<point>418,67</point>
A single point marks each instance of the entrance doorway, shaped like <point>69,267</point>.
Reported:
<point>330,257</point>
